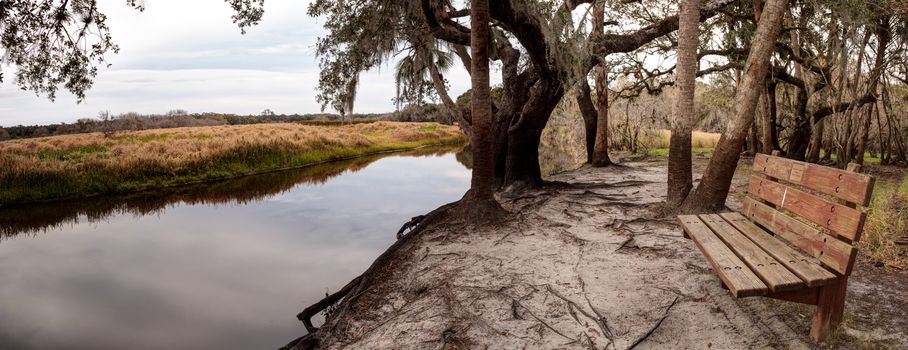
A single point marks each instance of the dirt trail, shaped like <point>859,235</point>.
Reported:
<point>585,265</point>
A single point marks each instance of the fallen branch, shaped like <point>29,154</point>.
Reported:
<point>306,342</point>
<point>312,310</point>
<point>410,225</point>
<point>355,287</point>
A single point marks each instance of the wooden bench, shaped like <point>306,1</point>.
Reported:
<point>794,239</point>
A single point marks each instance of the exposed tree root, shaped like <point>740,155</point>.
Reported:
<point>410,225</point>
<point>306,342</point>
<point>600,321</point>
<point>624,243</point>
<point>655,326</point>
<point>460,285</point>
<point>312,310</point>
<point>355,287</point>
<point>595,185</point>
<point>465,209</point>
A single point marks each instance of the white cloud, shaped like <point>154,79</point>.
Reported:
<point>189,55</point>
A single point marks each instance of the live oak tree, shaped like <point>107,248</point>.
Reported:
<point>541,51</point>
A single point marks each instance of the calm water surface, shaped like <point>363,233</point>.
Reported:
<point>225,265</point>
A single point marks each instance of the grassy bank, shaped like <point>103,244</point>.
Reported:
<point>88,164</point>
<point>885,240</point>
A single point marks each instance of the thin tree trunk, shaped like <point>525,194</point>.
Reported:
<point>865,134</point>
<point>800,136</point>
<point>589,114</point>
<point>849,143</point>
<point>600,147</point>
<point>712,190</point>
<point>813,156</point>
<point>680,174</point>
<point>753,140</point>
<point>895,146</point>
<point>464,55</point>
<point>768,122</point>
<point>884,148</point>
<point>450,108</point>
<point>483,158</point>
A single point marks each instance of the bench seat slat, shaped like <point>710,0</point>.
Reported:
<point>832,252</point>
<point>812,274</point>
<point>771,271</point>
<point>741,281</point>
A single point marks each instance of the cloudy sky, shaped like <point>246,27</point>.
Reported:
<point>189,55</point>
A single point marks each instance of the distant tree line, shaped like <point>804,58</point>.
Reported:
<point>131,121</point>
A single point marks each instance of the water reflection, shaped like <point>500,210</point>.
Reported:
<point>54,215</point>
<point>219,266</point>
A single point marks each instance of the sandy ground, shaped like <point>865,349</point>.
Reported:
<point>588,264</point>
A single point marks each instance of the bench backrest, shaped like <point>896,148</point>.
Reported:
<point>787,198</point>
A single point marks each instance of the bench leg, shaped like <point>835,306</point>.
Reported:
<point>830,308</point>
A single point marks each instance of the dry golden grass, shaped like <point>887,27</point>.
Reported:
<point>885,239</point>
<point>700,139</point>
<point>149,158</point>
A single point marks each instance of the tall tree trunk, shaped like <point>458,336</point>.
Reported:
<point>600,146</point>
<point>753,140</point>
<point>884,146</point>
<point>712,190</point>
<point>883,37</point>
<point>769,124</point>
<point>893,141</point>
<point>865,134</point>
<point>680,176</point>
<point>773,116</point>
<point>816,143</point>
<point>522,165</point>
<point>481,191</point>
<point>800,136</point>
<point>848,147</point>
<point>589,114</point>
<point>515,88</point>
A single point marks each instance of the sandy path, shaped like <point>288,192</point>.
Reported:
<point>580,266</point>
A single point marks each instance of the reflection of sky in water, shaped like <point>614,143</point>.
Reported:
<point>211,276</point>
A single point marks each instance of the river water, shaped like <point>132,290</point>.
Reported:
<point>223,265</point>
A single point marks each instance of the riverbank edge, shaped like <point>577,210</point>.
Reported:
<point>377,304</point>
<point>341,154</point>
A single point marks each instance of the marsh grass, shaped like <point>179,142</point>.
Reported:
<point>885,239</point>
<point>656,142</point>
<point>699,139</point>
<point>87,164</point>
